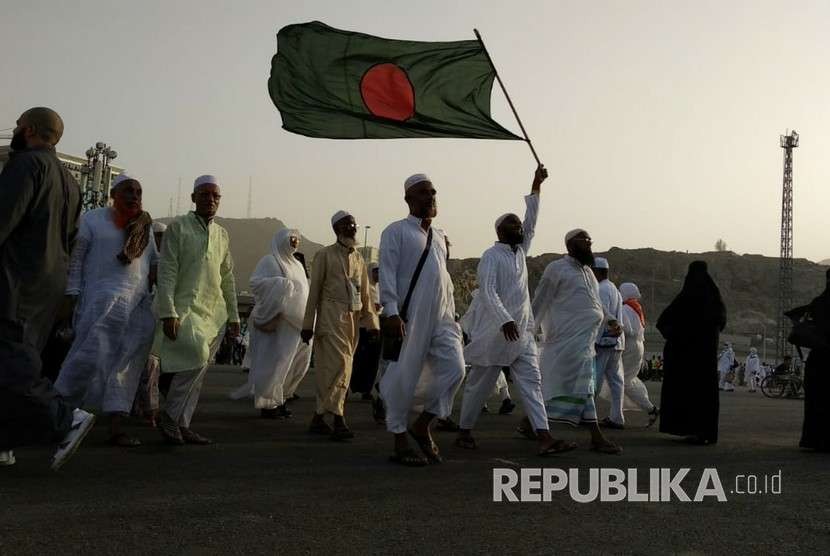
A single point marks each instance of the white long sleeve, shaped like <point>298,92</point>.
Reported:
<point>488,291</point>
<point>75,279</point>
<point>529,223</point>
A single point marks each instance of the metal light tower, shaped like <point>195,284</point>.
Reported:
<point>785,269</point>
<point>97,175</point>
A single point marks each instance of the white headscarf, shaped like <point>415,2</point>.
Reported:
<point>629,290</point>
<point>279,282</point>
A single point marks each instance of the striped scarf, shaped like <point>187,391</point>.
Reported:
<point>136,237</point>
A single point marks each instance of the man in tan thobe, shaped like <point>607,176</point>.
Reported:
<point>339,297</point>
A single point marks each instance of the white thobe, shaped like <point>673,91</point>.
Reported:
<point>503,297</point>
<point>280,289</point>
<point>568,311</point>
<point>113,321</point>
<point>752,371</point>
<point>725,362</point>
<point>636,393</point>
<point>432,347</point>
<point>610,349</point>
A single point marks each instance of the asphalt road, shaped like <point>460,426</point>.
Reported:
<point>268,487</point>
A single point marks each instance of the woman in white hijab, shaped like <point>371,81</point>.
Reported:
<point>280,289</point>
<point>634,320</point>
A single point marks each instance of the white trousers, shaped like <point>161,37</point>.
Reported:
<point>440,356</point>
<point>502,388</point>
<point>482,380</point>
<point>609,367</point>
<point>183,396</point>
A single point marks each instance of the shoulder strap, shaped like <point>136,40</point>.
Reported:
<point>415,276</point>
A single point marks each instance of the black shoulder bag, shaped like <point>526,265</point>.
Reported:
<point>391,345</point>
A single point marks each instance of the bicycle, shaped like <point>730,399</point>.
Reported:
<point>778,385</point>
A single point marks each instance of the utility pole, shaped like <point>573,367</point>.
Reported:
<point>785,269</point>
<point>179,198</point>
<point>250,191</point>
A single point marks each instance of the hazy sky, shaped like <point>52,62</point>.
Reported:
<point>659,121</point>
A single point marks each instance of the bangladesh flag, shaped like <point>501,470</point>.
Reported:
<point>343,85</point>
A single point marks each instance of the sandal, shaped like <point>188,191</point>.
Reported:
<point>446,425</point>
<point>558,447</point>
<point>408,458</point>
<point>123,440</point>
<point>466,442</point>
<point>428,447</point>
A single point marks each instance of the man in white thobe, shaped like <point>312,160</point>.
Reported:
<point>610,344</point>
<point>726,360</point>
<point>432,347</point>
<point>753,369</point>
<point>502,329</point>
<point>569,313</point>
<point>109,285</point>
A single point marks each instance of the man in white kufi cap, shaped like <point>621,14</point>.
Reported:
<point>419,317</point>
<point>195,301</point>
<point>339,297</point>
<point>568,310</point>
<point>500,326</point>
<point>610,345</point>
<point>109,283</point>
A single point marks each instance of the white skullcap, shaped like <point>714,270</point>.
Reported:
<point>338,216</point>
<point>202,180</point>
<point>501,219</point>
<point>601,262</point>
<point>414,179</point>
<point>753,350</point>
<point>159,227</point>
<point>121,178</point>
<point>629,290</point>
<point>573,233</point>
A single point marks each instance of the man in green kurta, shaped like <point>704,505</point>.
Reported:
<point>196,297</point>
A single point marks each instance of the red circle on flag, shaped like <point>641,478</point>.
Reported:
<point>388,93</point>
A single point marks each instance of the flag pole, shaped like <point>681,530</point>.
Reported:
<point>507,96</point>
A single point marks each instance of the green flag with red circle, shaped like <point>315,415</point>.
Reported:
<point>345,85</point>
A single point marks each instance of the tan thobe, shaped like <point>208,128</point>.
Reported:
<point>337,320</point>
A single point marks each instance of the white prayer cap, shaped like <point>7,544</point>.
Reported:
<point>629,290</point>
<point>159,227</point>
<point>501,219</point>
<point>339,215</point>
<point>202,180</point>
<point>573,233</point>
<point>753,351</point>
<point>414,179</point>
<point>121,178</point>
<point>601,263</point>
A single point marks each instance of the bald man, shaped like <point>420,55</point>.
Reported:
<point>40,204</point>
<point>339,297</point>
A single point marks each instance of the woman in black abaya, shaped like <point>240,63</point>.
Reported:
<point>816,432</point>
<point>691,325</point>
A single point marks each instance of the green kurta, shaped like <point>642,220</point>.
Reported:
<point>195,285</point>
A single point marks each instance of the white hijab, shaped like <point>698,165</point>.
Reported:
<point>279,282</point>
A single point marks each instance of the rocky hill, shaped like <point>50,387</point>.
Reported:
<point>748,283</point>
<point>825,262</point>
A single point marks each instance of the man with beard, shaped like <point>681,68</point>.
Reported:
<point>40,204</point>
<point>502,331</point>
<point>569,312</point>
<point>338,299</point>
<point>416,293</point>
<point>109,283</point>
<point>196,298</point>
